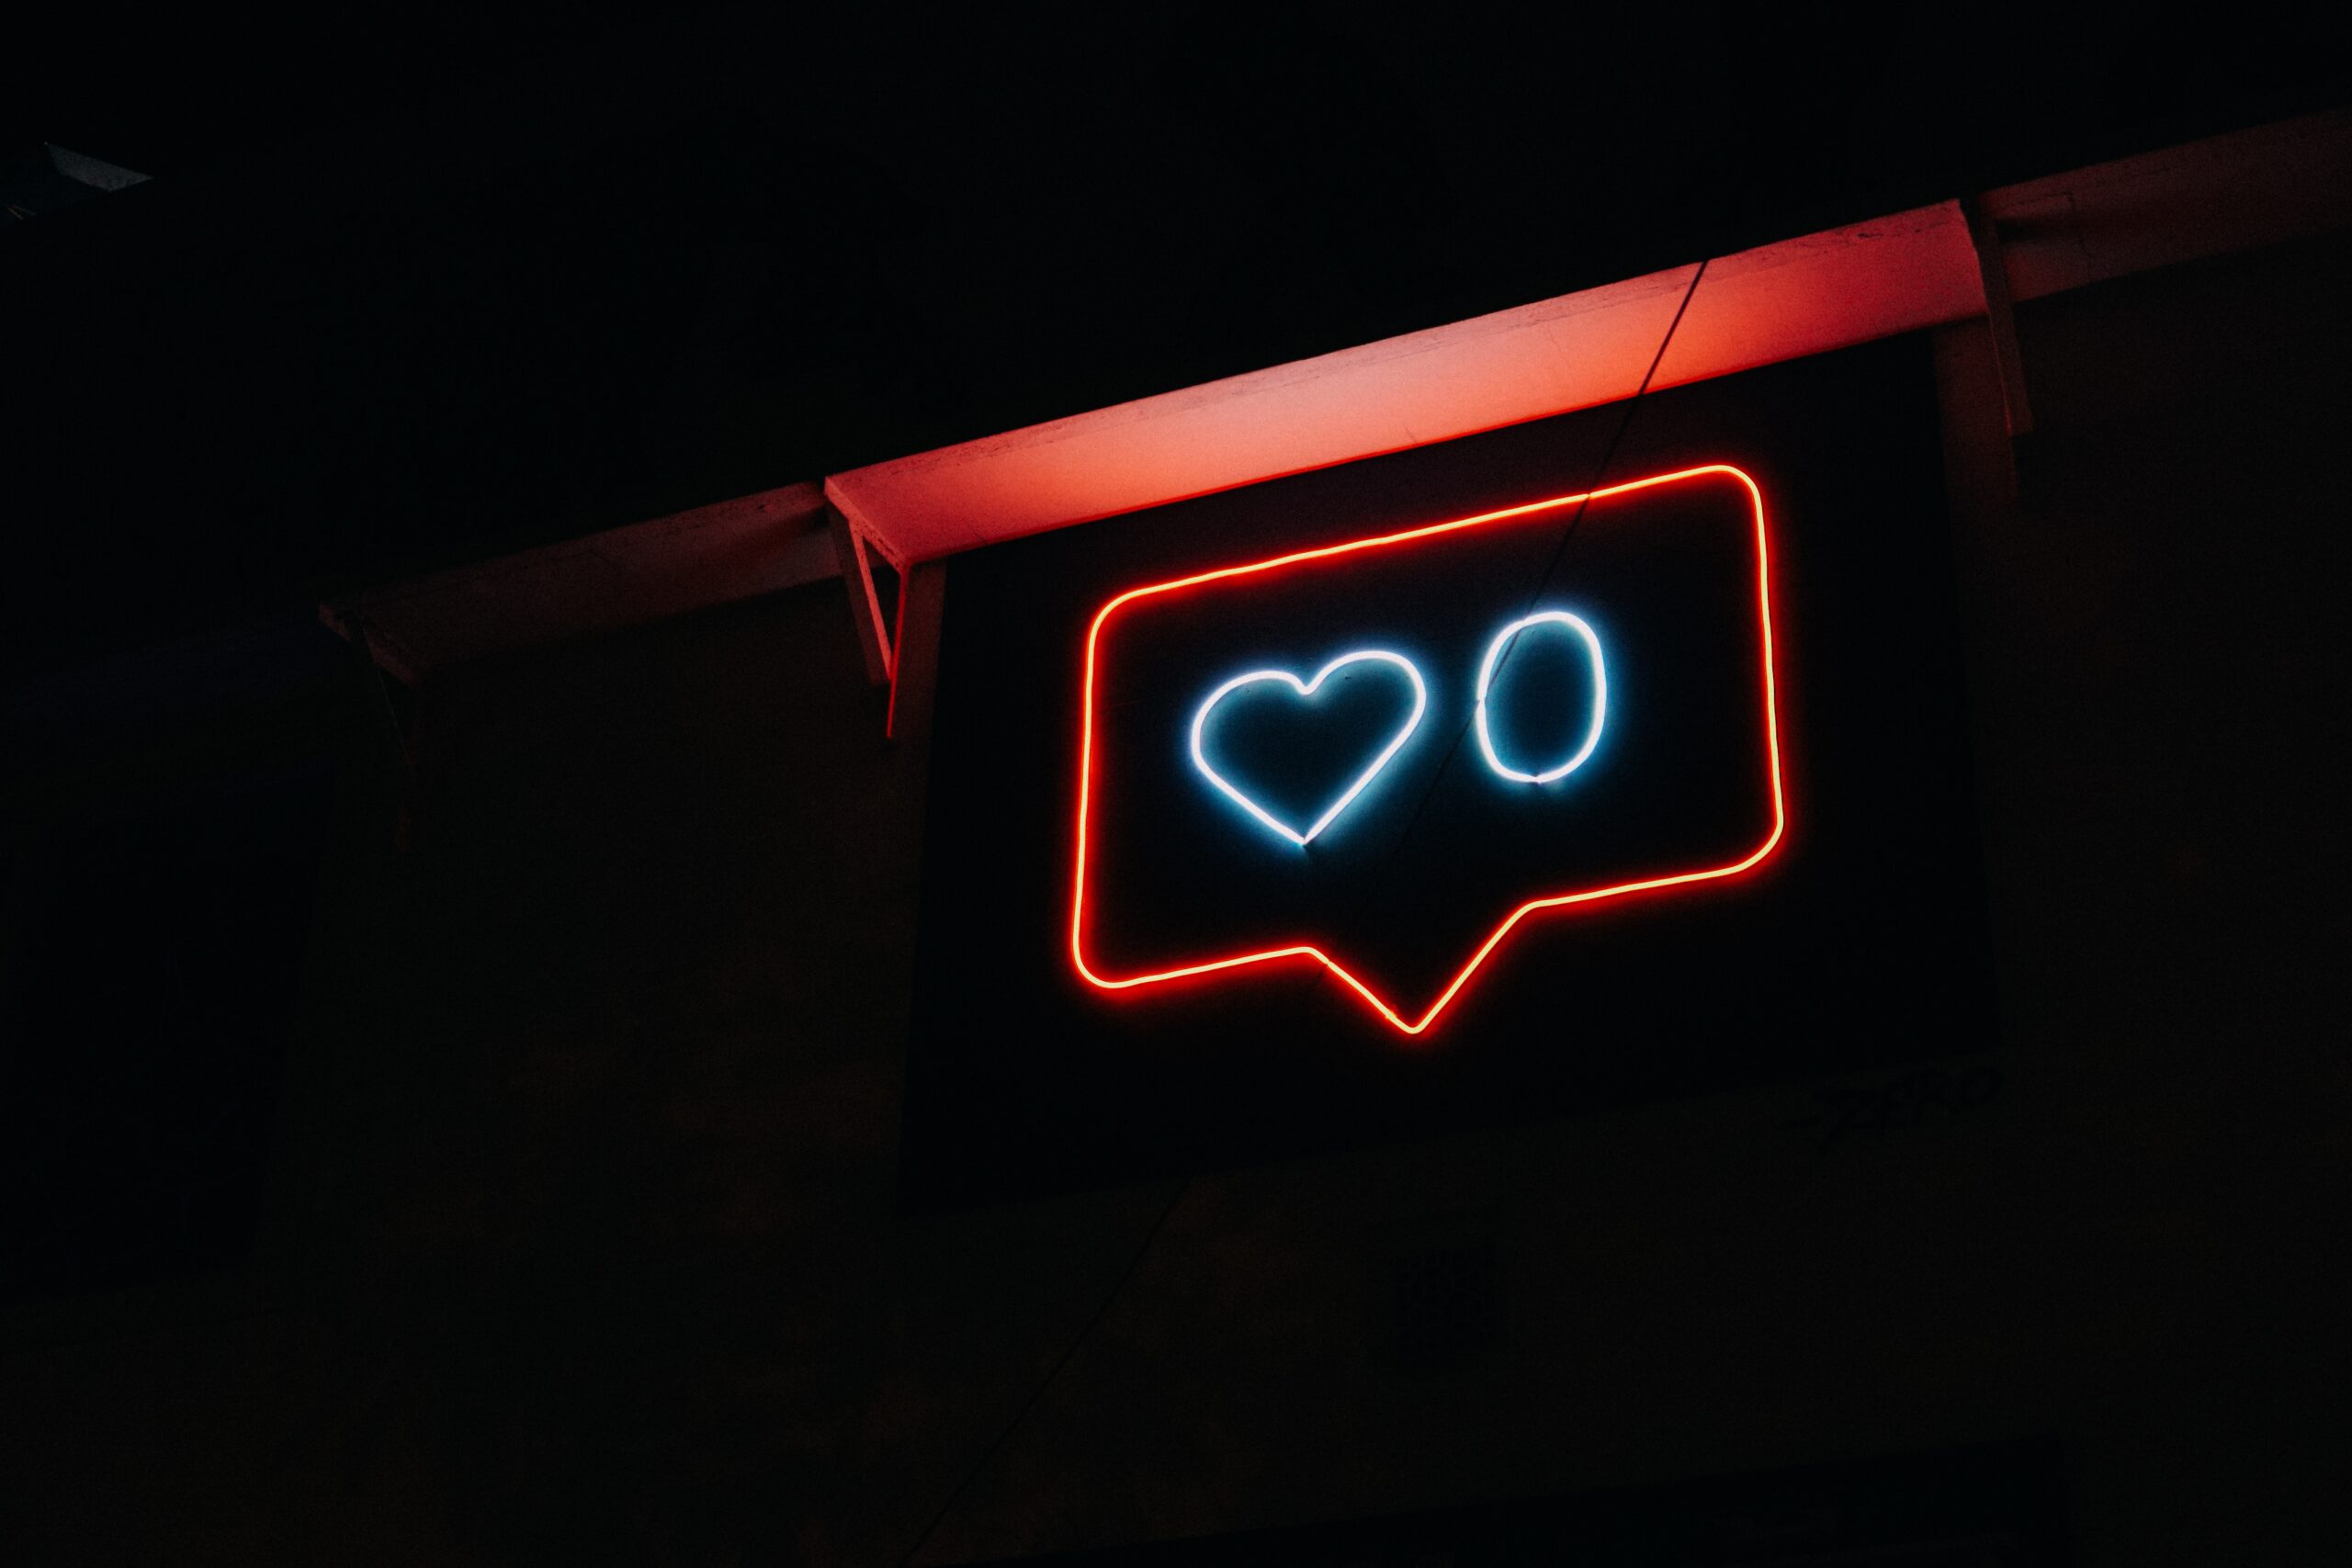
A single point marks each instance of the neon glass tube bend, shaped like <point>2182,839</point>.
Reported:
<point>1600,695</point>
<point>1307,689</point>
<point>1662,880</point>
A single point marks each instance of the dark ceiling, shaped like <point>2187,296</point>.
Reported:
<point>399,299</point>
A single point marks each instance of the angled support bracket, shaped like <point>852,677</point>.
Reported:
<point>874,636</point>
<point>387,718</point>
<point>395,739</point>
<point>2000,313</point>
<point>914,662</point>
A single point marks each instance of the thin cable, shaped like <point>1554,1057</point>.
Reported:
<point>1021,1415</point>
<point>1600,476</point>
<point>1609,453</point>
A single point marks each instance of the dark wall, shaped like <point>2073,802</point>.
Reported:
<point>578,1241</point>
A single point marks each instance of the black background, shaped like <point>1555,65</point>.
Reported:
<point>1861,941</point>
<point>1995,1504</point>
<point>577,1250</point>
<point>135,1142</point>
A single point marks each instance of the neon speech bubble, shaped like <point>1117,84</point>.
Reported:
<point>1693,794</point>
<point>1308,689</point>
<point>1502,639</point>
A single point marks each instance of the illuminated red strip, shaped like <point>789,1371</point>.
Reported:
<point>1307,950</point>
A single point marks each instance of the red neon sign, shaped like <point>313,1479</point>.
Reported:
<point>1567,898</point>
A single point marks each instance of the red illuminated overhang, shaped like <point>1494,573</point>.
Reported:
<point>1805,296</point>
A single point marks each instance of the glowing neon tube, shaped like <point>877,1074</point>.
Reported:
<point>1768,762</point>
<point>1599,694</point>
<point>1307,689</point>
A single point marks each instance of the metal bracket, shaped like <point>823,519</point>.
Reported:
<point>387,716</point>
<point>2000,313</point>
<point>874,636</point>
<point>923,589</point>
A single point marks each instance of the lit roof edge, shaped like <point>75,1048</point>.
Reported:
<point>1798,297</point>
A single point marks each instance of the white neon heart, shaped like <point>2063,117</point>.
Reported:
<point>1307,689</point>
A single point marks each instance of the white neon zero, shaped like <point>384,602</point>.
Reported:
<point>1307,689</point>
<point>1600,695</point>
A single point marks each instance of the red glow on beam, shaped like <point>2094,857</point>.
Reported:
<point>1306,949</point>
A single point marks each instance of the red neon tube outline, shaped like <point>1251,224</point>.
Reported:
<point>1461,978</point>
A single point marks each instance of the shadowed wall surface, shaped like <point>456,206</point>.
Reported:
<point>579,1239</point>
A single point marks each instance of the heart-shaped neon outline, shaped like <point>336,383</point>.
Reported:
<point>1307,689</point>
